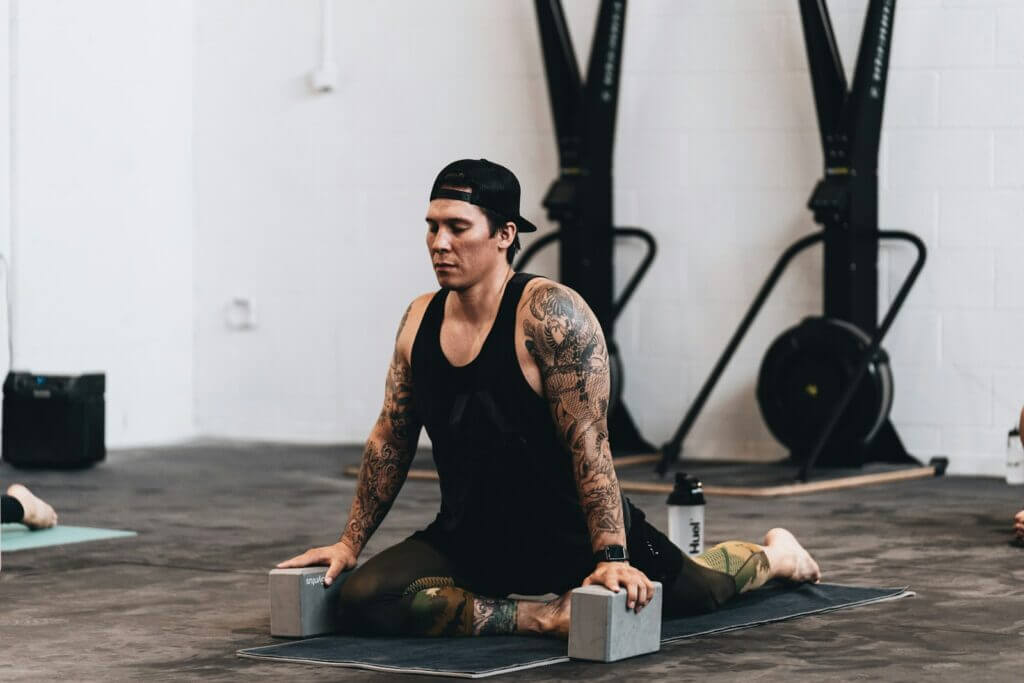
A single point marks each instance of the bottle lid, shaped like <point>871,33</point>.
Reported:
<point>687,491</point>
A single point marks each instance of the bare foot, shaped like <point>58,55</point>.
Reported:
<point>557,613</point>
<point>38,513</point>
<point>546,618</point>
<point>788,559</point>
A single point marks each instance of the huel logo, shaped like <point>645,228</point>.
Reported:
<point>695,541</point>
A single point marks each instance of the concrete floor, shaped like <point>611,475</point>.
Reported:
<point>177,601</point>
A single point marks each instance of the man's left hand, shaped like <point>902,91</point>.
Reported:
<point>617,575</point>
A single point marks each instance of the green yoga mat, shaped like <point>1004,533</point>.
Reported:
<point>20,537</point>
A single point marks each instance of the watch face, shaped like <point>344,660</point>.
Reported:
<point>615,552</point>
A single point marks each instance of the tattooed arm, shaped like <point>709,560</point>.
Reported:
<point>565,341</point>
<point>391,446</point>
<point>386,459</point>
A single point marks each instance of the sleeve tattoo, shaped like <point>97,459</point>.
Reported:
<point>566,342</point>
<point>388,454</point>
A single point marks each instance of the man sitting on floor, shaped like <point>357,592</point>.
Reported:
<point>509,374</point>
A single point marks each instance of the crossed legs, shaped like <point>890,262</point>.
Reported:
<point>413,589</point>
<point>410,589</point>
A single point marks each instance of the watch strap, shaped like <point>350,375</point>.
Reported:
<point>611,553</point>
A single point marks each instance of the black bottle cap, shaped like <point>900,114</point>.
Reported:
<point>687,491</point>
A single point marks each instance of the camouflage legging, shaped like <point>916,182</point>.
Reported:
<point>414,589</point>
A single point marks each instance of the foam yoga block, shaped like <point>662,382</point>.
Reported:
<point>300,606</point>
<point>602,628</point>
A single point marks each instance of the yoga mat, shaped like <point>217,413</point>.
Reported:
<point>490,656</point>
<point>20,537</point>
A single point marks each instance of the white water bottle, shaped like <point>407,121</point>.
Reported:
<point>686,515</point>
<point>1014,458</point>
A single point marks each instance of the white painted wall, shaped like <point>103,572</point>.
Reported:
<point>100,126</point>
<point>168,157</point>
<point>312,204</point>
<point>5,155</point>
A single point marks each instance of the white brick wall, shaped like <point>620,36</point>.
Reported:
<point>97,136</point>
<point>312,205</point>
<point>5,140</point>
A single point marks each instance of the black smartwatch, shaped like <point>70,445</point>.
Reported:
<point>611,553</point>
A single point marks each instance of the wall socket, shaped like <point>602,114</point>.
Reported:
<point>240,314</point>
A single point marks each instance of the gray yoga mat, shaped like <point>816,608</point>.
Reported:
<point>481,657</point>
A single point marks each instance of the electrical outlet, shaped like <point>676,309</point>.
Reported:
<point>240,314</point>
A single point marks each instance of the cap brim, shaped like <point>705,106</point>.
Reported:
<point>524,225</point>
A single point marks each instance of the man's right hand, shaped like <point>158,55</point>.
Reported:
<point>339,557</point>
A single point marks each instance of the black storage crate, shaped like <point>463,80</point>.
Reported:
<point>53,421</point>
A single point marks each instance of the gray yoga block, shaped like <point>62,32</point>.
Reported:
<point>602,629</point>
<point>300,606</point>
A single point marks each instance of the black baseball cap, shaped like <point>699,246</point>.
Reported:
<point>492,186</point>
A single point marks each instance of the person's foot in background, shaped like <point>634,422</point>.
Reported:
<point>38,513</point>
<point>1018,520</point>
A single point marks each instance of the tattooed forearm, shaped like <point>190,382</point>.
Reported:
<point>599,488</point>
<point>565,340</point>
<point>381,476</point>
<point>389,452</point>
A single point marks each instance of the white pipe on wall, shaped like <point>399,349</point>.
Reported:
<point>324,78</point>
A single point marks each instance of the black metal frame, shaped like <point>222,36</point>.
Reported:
<point>584,116</point>
<point>627,292</point>
<point>845,203</point>
<point>580,200</point>
<point>670,451</point>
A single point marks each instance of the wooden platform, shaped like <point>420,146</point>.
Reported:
<point>795,488</point>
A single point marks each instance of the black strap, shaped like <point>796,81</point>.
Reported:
<point>447,193</point>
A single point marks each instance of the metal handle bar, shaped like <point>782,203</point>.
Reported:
<point>634,280</point>
<point>670,450</point>
<point>873,347</point>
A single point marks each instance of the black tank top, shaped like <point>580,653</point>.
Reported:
<point>507,484</point>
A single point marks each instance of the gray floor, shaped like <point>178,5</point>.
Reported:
<point>177,601</point>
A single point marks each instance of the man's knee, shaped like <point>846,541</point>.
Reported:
<point>365,603</point>
<point>360,588</point>
<point>699,590</point>
<point>372,605</point>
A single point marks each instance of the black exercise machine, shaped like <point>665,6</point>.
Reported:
<point>825,386</point>
<point>580,200</point>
